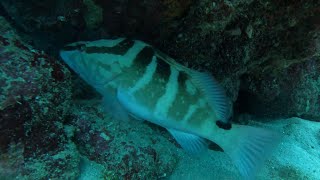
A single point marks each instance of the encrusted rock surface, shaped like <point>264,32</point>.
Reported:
<point>129,150</point>
<point>256,41</point>
<point>48,22</point>
<point>54,23</point>
<point>34,99</point>
<point>291,90</point>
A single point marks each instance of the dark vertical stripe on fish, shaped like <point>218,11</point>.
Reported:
<point>139,65</point>
<point>163,69</point>
<point>144,57</point>
<point>184,99</point>
<point>182,78</point>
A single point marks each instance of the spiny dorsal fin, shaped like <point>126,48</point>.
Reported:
<point>170,61</point>
<point>113,107</point>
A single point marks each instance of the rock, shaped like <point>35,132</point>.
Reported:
<point>138,18</point>
<point>92,19</point>
<point>62,164</point>
<point>255,41</point>
<point>48,23</point>
<point>35,94</point>
<point>126,150</point>
<point>288,91</point>
<point>91,170</point>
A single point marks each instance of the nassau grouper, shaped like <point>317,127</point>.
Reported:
<point>138,80</point>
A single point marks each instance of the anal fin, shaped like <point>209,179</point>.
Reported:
<point>189,142</point>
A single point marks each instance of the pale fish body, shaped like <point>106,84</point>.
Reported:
<point>138,80</point>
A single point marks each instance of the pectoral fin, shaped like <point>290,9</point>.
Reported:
<point>133,107</point>
<point>113,107</point>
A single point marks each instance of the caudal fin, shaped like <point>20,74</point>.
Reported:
<point>251,147</point>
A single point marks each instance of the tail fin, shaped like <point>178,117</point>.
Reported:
<point>251,147</point>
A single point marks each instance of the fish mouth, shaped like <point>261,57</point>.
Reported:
<point>68,52</point>
<point>66,55</point>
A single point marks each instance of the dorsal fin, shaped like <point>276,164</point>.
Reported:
<point>170,61</point>
<point>214,93</point>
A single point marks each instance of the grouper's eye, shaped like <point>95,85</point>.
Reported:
<point>223,125</point>
<point>82,47</point>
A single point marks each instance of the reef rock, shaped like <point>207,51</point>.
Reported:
<point>53,23</point>
<point>48,22</point>
<point>266,53</point>
<point>35,94</point>
<point>125,150</point>
<point>285,90</point>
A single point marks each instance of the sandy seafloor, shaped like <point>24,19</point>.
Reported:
<point>297,156</point>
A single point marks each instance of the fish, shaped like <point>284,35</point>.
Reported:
<point>139,81</point>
